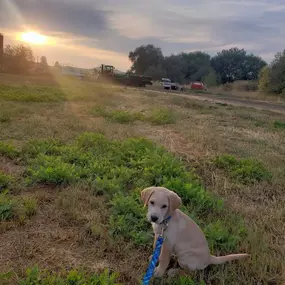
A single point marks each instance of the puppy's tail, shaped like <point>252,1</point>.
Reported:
<point>223,259</point>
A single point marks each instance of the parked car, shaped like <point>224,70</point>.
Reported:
<point>166,83</point>
<point>198,85</point>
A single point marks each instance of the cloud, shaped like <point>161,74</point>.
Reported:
<point>108,30</point>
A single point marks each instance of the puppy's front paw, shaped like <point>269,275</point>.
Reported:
<point>158,272</point>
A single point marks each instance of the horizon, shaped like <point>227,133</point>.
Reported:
<point>87,34</point>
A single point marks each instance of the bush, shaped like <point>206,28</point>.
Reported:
<point>117,169</point>
<point>246,171</point>
<point>263,79</point>
<point>276,74</point>
<point>36,277</point>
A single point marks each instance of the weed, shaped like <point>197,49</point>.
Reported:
<point>119,116</point>
<point>5,181</point>
<point>122,117</point>
<point>12,208</point>
<point>53,170</point>
<point>6,207</point>
<point>31,93</point>
<point>29,206</point>
<point>246,171</point>
<point>36,277</point>
<point>161,116</point>
<point>279,125</point>
<point>117,169</point>
<point>8,150</point>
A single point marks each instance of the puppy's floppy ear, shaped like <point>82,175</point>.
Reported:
<point>174,201</point>
<point>145,195</point>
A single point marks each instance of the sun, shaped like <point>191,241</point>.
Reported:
<point>34,38</point>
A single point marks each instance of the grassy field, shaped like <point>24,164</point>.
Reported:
<point>75,155</point>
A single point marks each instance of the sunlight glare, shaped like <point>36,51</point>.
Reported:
<point>34,38</point>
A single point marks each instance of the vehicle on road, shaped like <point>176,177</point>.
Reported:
<point>106,74</point>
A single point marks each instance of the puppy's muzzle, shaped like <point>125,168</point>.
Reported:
<point>153,218</point>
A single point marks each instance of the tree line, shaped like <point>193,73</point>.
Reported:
<point>226,66</point>
<point>20,59</point>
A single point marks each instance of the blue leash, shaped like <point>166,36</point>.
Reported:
<point>155,256</point>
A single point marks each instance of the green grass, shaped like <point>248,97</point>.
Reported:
<point>246,171</point>
<point>157,116</point>
<point>8,150</point>
<point>17,209</point>
<point>34,276</point>
<point>31,93</point>
<point>161,116</point>
<point>119,170</point>
<point>5,181</point>
<point>279,125</point>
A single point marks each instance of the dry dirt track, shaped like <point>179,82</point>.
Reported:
<point>261,105</point>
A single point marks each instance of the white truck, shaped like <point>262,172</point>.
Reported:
<point>167,84</point>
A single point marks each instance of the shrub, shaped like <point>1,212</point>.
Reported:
<point>263,79</point>
<point>161,117</point>
<point>246,171</point>
<point>36,277</point>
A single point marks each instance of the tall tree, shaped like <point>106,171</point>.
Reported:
<point>277,74</point>
<point>18,58</point>
<point>196,65</point>
<point>44,62</point>
<point>234,64</point>
<point>144,57</point>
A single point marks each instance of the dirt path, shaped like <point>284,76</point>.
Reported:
<point>261,105</point>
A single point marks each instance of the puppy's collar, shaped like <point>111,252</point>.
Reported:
<point>164,225</point>
<point>165,221</point>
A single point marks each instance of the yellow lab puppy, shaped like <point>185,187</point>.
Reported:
<point>183,237</point>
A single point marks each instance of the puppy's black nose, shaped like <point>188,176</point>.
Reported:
<point>154,218</point>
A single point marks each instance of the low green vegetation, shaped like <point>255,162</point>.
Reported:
<point>279,125</point>
<point>119,170</point>
<point>17,209</point>
<point>31,93</point>
<point>157,116</point>
<point>5,181</point>
<point>161,116</point>
<point>246,171</point>
<point>36,277</point>
<point>8,150</point>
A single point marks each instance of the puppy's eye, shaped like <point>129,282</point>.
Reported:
<point>151,202</point>
<point>163,206</point>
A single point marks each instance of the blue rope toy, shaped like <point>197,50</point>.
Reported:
<point>156,254</point>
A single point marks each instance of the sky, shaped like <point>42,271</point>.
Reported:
<point>87,33</point>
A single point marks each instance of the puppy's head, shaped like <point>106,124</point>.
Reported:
<point>161,203</point>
